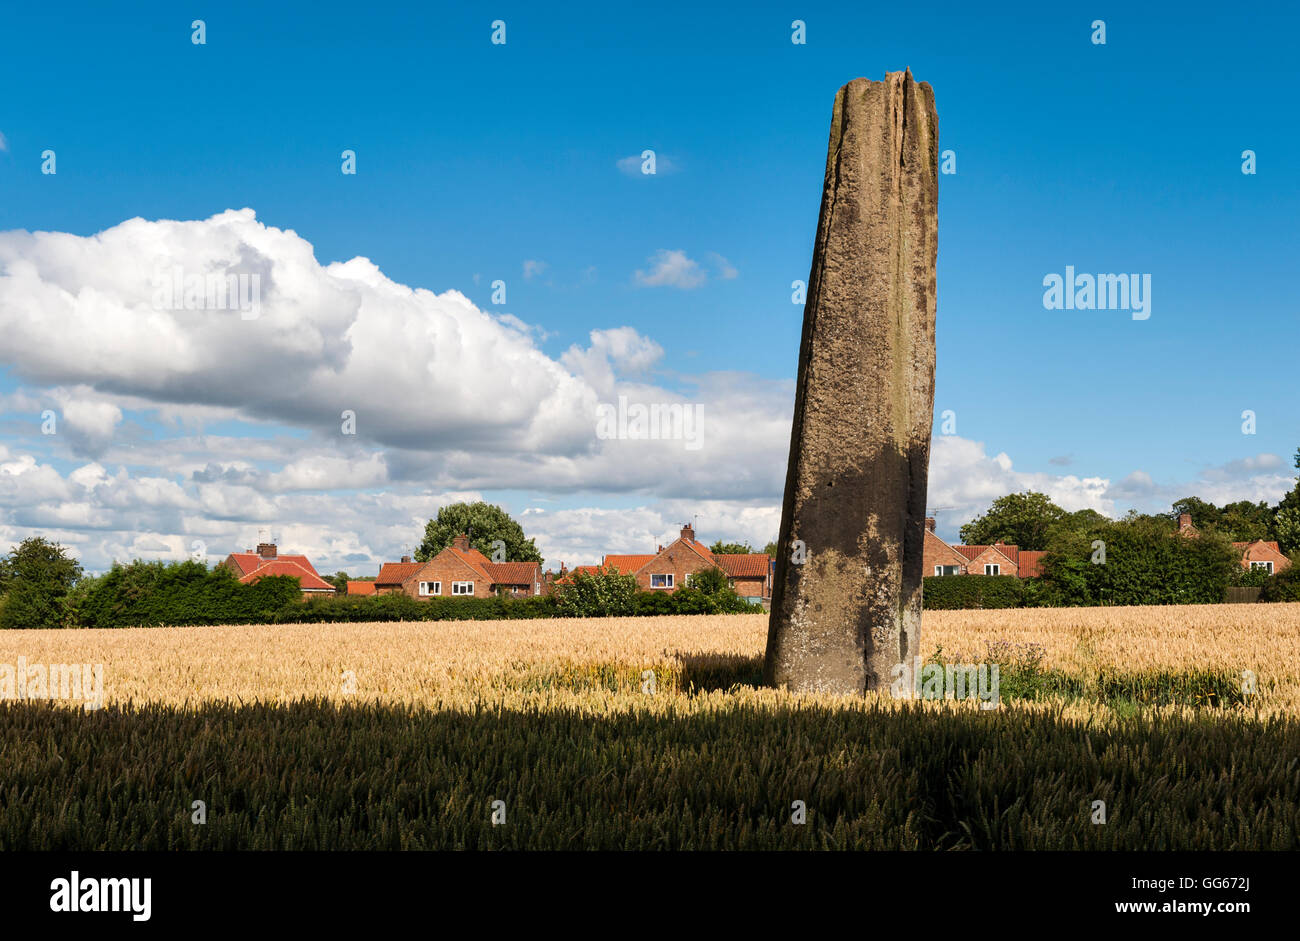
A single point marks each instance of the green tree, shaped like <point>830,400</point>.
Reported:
<point>485,524</point>
<point>1244,521</point>
<point>36,578</point>
<point>1204,515</point>
<point>731,548</point>
<point>1286,518</point>
<point>770,549</point>
<point>710,581</point>
<point>1020,519</point>
<point>1080,521</point>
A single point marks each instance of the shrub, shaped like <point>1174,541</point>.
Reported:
<point>1249,578</point>
<point>604,593</point>
<point>1284,586</point>
<point>711,581</point>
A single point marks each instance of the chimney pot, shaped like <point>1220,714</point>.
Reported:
<point>406,559</point>
<point>688,532</point>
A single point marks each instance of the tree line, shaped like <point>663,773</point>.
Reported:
<point>1032,521</point>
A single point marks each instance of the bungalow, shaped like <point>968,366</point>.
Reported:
<point>671,567</point>
<point>456,571</point>
<point>251,566</point>
<point>1255,554</point>
<point>941,558</point>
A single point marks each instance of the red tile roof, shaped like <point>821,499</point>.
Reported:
<point>307,580</point>
<point>628,564</point>
<point>249,562</point>
<point>973,552</point>
<point>394,573</point>
<point>473,558</point>
<point>700,550</point>
<point>360,588</point>
<point>1267,543</point>
<point>567,577</point>
<point>514,573</point>
<point>1031,563</point>
<point>751,565</point>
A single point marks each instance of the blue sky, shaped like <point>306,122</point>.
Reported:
<point>474,159</point>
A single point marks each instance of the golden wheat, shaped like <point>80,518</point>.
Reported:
<point>450,664</point>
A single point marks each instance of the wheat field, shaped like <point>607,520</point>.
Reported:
<point>450,664</point>
<point>408,735</point>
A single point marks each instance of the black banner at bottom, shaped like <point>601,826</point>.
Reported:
<point>143,891</point>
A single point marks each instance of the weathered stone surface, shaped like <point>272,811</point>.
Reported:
<point>860,446</point>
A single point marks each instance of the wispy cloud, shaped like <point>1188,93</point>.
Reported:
<point>4,144</point>
<point>532,268</point>
<point>725,270</point>
<point>670,268</point>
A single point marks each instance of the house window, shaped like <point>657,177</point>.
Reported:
<point>1267,566</point>
<point>661,581</point>
<point>462,588</point>
<point>431,588</point>
<point>993,569</point>
<point>947,570</point>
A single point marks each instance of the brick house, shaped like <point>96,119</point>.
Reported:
<point>252,566</point>
<point>458,571</point>
<point>941,558</point>
<point>1258,553</point>
<point>670,567</point>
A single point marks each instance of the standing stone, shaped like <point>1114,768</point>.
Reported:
<point>846,603</point>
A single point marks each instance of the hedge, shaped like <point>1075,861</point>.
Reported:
<point>399,607</point>
<point>150,594</point>
<point>1141,567</point>
<point>950,592</point>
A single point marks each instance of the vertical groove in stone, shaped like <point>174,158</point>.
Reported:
<point>860,445</point>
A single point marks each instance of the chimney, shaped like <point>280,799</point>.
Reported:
<point>688,532</point>
<point>266,550</point>
<point>929,523</point>
<point>406,559</point>
<point>1184,522</point>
